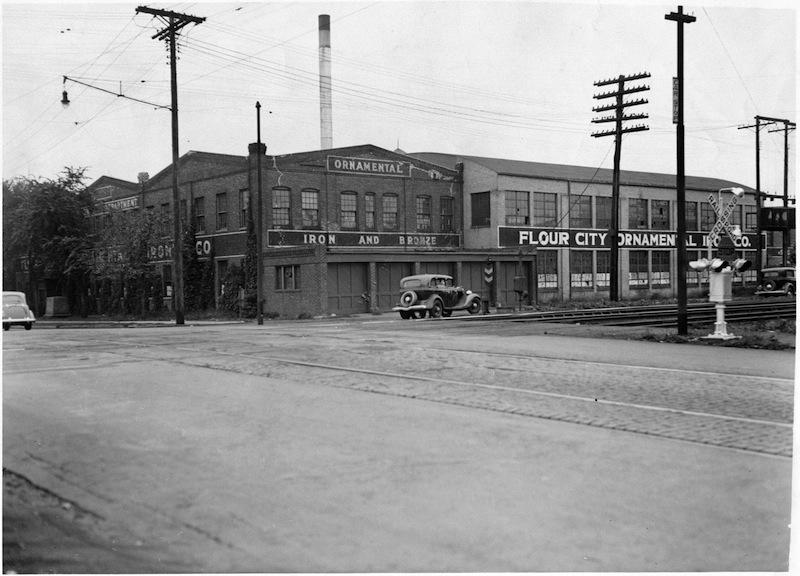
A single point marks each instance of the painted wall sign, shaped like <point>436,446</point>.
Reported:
<point>560,238</point>
<point>373,166</point>
<point>366,239</point>
<point>123,203</point>
<point>160,252</point>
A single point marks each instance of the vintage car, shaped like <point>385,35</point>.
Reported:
<point>435,295</point>
<point>16,311</point>
<point>777,281</point>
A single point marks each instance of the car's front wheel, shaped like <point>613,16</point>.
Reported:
<point>418,314</point>
<point>436,309</point>
<point>28,325</point>
<point>770,285</point>
<point>405,315</point>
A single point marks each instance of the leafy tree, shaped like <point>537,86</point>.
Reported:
<point>45,222</point>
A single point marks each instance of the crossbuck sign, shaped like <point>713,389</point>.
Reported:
<point>722,223</point>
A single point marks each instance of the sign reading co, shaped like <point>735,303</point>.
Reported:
<point>372,166</point>
<point>203,247</point>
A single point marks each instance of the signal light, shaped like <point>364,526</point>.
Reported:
<point>741,264</point>
<point>713,265</point>
<point>699,265</point>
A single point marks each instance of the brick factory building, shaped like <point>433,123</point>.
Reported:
<point>342,226</point>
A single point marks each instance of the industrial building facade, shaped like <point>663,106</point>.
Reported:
<point>340,227</point>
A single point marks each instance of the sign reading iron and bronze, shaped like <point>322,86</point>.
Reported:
<point>365,239</point>
<point>371,166</point>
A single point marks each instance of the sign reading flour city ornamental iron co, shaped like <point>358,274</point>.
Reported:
<point>277,237</point>
<point>372,166</point>
<point>576,238</point>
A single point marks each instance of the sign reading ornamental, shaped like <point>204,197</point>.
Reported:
<point>373,166</point>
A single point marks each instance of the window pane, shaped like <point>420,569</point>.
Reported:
<point>637,268</point>
<point>481,213</point>
<point>580,269</point>
<point>637,213</point>
<point>222,211</point>
<point>446,219</point>
<point>544,209</point>
<point>691,216</point>
<point>547,269</point>
<point>660,214</point>
<point>310,208</point>
<point>423,213</point>
<point>603,212</point>
<point>517,208</point>
<point>369,211</point>
<point>349,213</point>
<point>603,278</point>
<point>389,212</point>
<point>660,275</point>
<point>280,207</point>
<point>580,212</point>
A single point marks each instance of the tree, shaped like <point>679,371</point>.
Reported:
<point>45,224</point>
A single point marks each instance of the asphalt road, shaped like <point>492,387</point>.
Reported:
<point>376,445</point>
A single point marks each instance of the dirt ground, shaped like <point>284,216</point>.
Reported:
<point>43,534</point>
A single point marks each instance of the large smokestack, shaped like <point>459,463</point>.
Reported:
<point>325,103</point>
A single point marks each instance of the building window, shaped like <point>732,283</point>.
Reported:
<point>244,201</point>
<point>166,219</point>
<point>693,277</point>
<point>660,214</point>
<point>660,275</point>
<point>310,207</point>
<point>637,214</point>
<point>707,216</point>
<point>603,276</point>
<point>691,216</point>
<point>222,211</point>
<point>580,269</point>
<point>446,214</point>
<point>200,214</point>
<point>369,211</point>
<point>544,209</point>
<point>423,213</point>
<point>580,212</point>
<point>287,278</point>
<point>637,268</point>
<point>389,211</point>
<point>750,218</point>
<point>736,216</point>
<point>349,210</point>
<point>604,204</point>
<point>281,208</point>
<point>517,208</point>
<point>547,264</point>
<point>481,211</point>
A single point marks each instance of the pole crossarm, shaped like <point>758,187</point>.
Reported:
<point>630,78</point>
<point>616,106</point>
<point>621,92</point>
<point>175,21</point>
<point>626,130</point>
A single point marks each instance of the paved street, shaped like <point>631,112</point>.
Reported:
<point>373,444</point>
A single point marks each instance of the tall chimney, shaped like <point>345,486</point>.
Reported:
<point>325,103</point>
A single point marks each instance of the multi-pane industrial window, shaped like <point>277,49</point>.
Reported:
<point>603,276</point>
<point>544,209</point>
<point>369,211</point>
<point>287,278</point>
<point>637,213</point>
<point>349,210</point>
<point>446,214</point>
<point>660,264</point>
<point>517,208</point>
<point>660,214</point>
<point>707,216</point>
<point>481,211</point>
<point>389,212</point>
<point>222,211</point>
<point>736,216</point>
<point>200,214</point>
<point>580,269</point>
<point>423,204</point>
<point>603,204</point>
<point>691,216</point>
<point>310,208</point>
<point>166,219</point>
<point>281,208</point>
<point>750,218</point>
<point>580,212</point>
<point>244,200</point>
<point>637,268</point>
<point>547,264</point>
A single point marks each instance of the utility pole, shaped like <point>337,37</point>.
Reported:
<point>618,118</point>
<point>785,232</point>
<point>260,218</point>
<point>175,22</point>
<point>683,320</point>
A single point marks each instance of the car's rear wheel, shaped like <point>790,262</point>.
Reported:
<point>408,298</point>
<point>474,306</point>
<point>436,309</point>
<point>28,325</point>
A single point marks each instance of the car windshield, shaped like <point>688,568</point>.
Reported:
<point>13,299</point>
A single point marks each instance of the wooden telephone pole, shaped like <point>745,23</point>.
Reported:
<point>618,118</point>
<point>174,23</point>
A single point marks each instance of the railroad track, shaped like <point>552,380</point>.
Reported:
<point>657,315</point>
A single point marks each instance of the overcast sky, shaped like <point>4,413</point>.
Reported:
<point>500,79</point>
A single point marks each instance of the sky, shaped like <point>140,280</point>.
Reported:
<point>500,79</point>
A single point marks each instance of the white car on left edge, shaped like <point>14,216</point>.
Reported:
<point>16,311</point>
